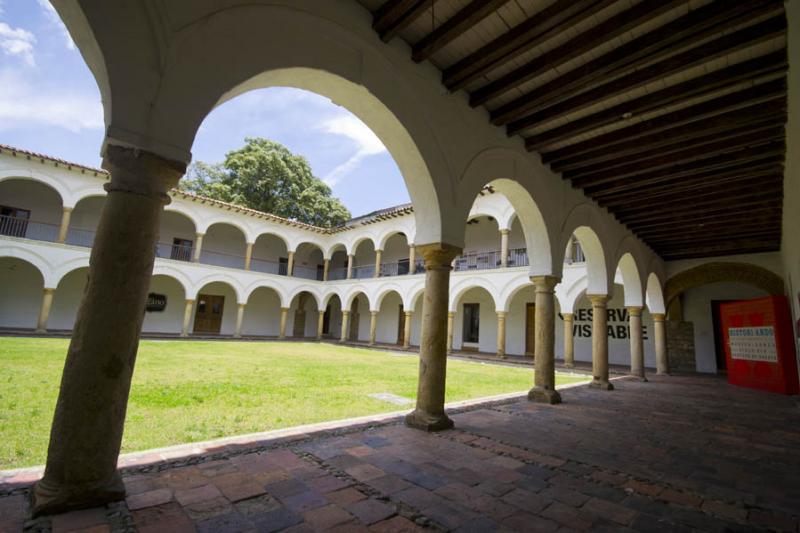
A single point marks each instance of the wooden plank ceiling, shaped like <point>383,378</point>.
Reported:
<point>668,113</point>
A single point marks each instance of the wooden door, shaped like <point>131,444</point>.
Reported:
<point>401,326</point>
<point>208,317</point>
<point>530,328</point>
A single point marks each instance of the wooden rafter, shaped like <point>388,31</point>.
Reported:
<point>396,15</point>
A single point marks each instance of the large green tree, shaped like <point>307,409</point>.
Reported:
<point>266,176</point>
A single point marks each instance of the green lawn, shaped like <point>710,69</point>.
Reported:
<point>186,391</point>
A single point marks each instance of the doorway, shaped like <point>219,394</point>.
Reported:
<point>208,317</point>
<point>530,328</point>
<point>719,349</point>
<point>401,326</point>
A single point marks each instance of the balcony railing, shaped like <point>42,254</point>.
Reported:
<point>477,261</point>
<point>222,259</point>
<point>335,274</point>
<point>398,268</point>
<point>364,272</point>
<point>518,257</point>
<point>305,272</point>
<point>177,252</point>
<point>27,229</point>
<point>80,237</point>
<point>268,267</point>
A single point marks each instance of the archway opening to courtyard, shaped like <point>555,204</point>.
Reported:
<point>84,220</point>
<point>67,298</point>
<point>224,245</point>
<point>176,237</point>
<point>262,314</point>
<point>390,320</point>
<point>309,262</point>
<point>270,254</point>
<point>363,259</point>
<point>474,320</point>
<point>303,316</point>
<point>216,309</point>
<point>332,319</point>
<point>166,318</point>
<point>395,255</point>
<point>21,284</point>
<point>359,319</point>
<point>337,269</point>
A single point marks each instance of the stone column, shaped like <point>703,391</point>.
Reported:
<point>325,269</point>
<point>429,414</point>
<point>451,316</point>
<point>637,348</point>
<point>320,324</point>
<point>187,318</point>
<point>504,248</point>
<point>44,312</point>
<point>345,325</point>
<point>407,329</point>
<point>378,254</point>
<point>284,317</point>
<point>569,340</point>
<point>86,433</point>
<point>248,255</point>
<point>544,389</point>
<point>350,261</point>
<point>198,247</point>
<point>660,337</point>
<point>412,259</point>
<point>373,326</point>
<point>290,265</point>
<point>599,342</point>
<point>239,319</point>
<point>501,334</point>
<point>66,213</point>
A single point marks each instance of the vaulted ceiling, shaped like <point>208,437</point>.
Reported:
<point>670,114</point>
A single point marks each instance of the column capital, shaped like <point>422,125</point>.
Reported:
<point>67,209</point>
<point>141,172</point>
<point>598,300</point>
<point>190,300</point>
<point>545,283</point>
<point>321,311</point>
<point>242,305</point>
<point>438,255</point>
<point>658,317</point>
<point>345,312</point>
<point>199,234</point>
<point>634,310</point>
<point>373,313</point>
<point>501,314</point>
<point>284,309</point>
<point>408,313</point>
<point>568,316</point>
<point>248,243</point>
<point>451,314</point>
<point>48,290</point>
<point>505,231</point>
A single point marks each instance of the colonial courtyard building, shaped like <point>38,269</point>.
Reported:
<point>588,180</point>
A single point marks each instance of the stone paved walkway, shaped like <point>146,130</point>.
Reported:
<point>675,454</point>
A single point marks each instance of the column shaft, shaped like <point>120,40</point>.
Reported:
<point>637,347</point>
<point>239,319</point>
<point>86,433</point>
<point>198,247</point>
<point>378,254</point>
<point>429,414</point>
<point>320,324</point>
<point>412,259</point>
<point>660,337</point>
<point>407,329</point>
<point>325,269</point>
<point>350,260</point>
<point>501,334</point>
<point>504,248</point>
<point>44,311</point>
<point>187,318</point>
<point>569,340</point>
<point>248,255</point>
<point>345,325</point>
<point>373,326</point>
<point>290,265</point>
<point>599,342</point>
<point>451,316</point>
<point>284,317</point>
<point>544,389</point>
<point>66,213</point>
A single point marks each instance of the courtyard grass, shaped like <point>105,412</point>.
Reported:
<point>188,391</point>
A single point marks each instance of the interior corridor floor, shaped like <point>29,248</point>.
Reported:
<point>678,453</point>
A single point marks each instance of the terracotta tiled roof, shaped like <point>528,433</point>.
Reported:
<point>16,152</point>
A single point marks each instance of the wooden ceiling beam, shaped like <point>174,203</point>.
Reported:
<point>770,209</point>
<point>700,238</point>
<point>696,154</point>
<point>549,22</point>
<point>688,234</point>
<point>396,15</point>
<point>698,55</point>
<point>770,65</point>
<point>454,27</point>
<point>769,166</point>
<point>761,93</point>
<point>719,162</point>
<point>585,42</point>
<point>731,202</point>
<point>722,251</point>
<point>753,117</point>
<point>642,53</point>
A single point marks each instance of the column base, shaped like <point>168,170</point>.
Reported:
<point>425,421</point>
<point>541,395</point>
<point>602,385</point>
<point>664,373</point>
<point>501,355</point>
<point>40,330</point>
<point>569,365</point>
<point>643,379</point>
<point>48,498</point>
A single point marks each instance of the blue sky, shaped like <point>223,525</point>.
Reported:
<point>49,103</point>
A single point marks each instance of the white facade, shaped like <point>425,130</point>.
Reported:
<point>31,260</point>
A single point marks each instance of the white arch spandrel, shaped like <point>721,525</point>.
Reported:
<point>49,277</point>
<point>631,281</point>
<point>655,294</point>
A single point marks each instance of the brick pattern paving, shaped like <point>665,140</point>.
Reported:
<point>675,454</point>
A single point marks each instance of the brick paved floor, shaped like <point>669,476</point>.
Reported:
<point>674,454</point>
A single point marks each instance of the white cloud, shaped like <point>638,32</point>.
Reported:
<point>365,139</point>
<point>32,105</point>
<point>52,17</point>
<point>17,42</point>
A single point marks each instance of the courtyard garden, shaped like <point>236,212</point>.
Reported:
<point>188,391</point>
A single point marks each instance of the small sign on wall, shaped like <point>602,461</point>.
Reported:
<point>753,344</point>
<point>156,303</point>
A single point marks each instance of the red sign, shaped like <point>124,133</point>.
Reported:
<point>759,344</point>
